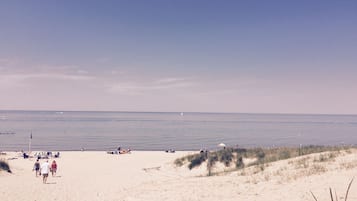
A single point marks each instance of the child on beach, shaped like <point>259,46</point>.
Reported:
<point>53,168</point>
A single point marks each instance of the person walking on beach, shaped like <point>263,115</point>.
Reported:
<point>45,169</point>
<point>36,167</point>
<point>53,168</point>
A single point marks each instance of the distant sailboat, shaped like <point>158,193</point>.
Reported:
<point>181,114</point>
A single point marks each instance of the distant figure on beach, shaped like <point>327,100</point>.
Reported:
<point>203,150</point>
<point>120,150</point>
<point>45,169</point>
<point>124,151</point>
<point>53,168</point>
<point>170,151</point>
<point>24,154</point>
<point>36,167</point>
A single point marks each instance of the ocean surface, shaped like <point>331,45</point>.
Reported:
<point>57,130</point>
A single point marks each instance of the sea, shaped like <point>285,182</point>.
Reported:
<point>70,130</point>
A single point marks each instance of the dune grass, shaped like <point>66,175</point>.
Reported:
<point>336,197</point>
<point>229,156</point>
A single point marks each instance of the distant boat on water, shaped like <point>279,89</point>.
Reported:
<point>181,113</point>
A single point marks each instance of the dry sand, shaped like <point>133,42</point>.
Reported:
<point>149,175</point>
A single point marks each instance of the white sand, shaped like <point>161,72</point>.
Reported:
<point>152,176</point>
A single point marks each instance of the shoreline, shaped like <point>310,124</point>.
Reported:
<point>190,150</point>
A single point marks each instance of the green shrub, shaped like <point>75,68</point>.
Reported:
<point>261,154</point>
<point>197,160</point>
<point>179,162</point>
<point>239,162</point>
<point>225,156</point>
<point>212,159</point>
<point>240,151</point>
<point>285,154</point>
<point>4,166</point>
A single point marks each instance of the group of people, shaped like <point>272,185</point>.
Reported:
<point>123,151</point>
<point>41,155</point>
<point>44,169</point>
<point>46,155</point>
<point>170,151</point>
<point>120,151</point>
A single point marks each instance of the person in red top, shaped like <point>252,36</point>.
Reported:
<point>53,168</point>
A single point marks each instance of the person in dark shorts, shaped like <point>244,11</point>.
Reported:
<point>36,167</point>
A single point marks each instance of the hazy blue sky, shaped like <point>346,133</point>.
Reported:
<point>205,56</point>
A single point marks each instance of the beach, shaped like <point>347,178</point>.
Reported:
<point>152,175</point>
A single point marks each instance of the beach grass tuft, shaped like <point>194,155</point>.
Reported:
<point>336,197</point>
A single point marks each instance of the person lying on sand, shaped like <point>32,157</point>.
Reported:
<point>120,151</point>
<point>124,151</point>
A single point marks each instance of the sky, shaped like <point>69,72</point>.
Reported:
<point>179,56</point>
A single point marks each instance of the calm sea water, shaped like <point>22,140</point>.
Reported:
<point>158,131</point>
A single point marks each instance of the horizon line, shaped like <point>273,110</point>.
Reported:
<point>198,112</point>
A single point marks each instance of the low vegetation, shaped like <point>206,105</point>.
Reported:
<point>335,198</point>
<point>260,156</point>
<point>4,166</point>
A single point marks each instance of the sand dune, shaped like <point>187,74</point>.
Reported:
<point>149,175</point>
